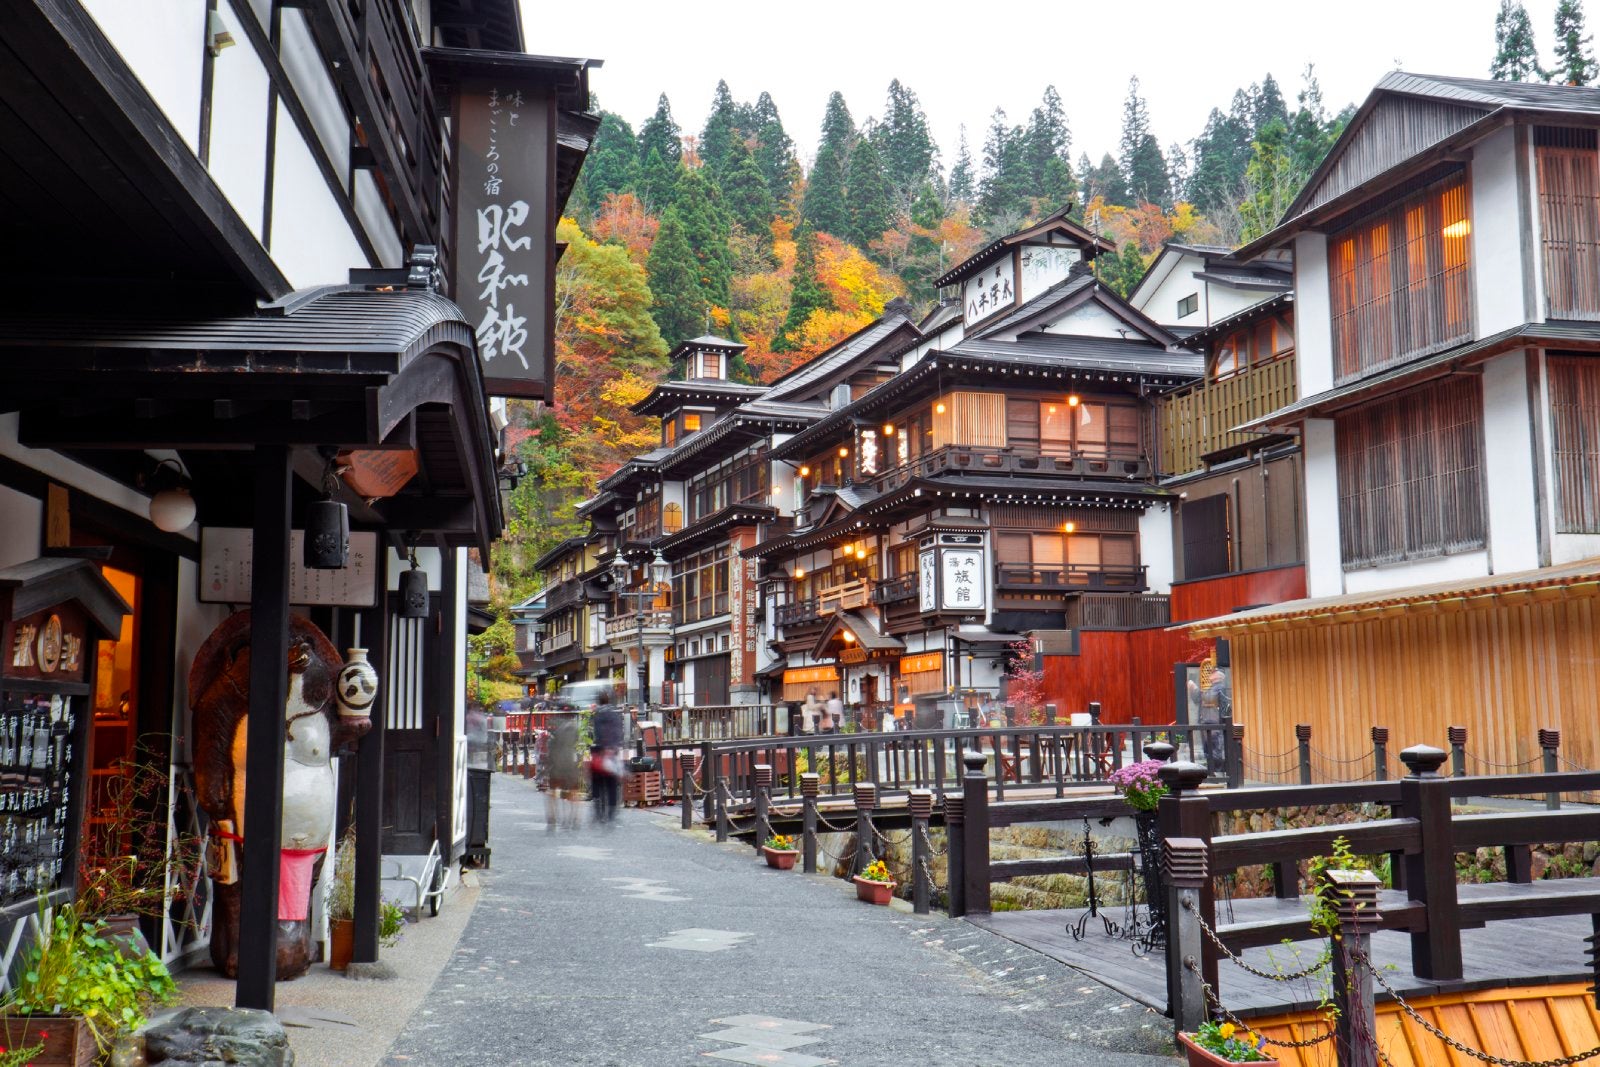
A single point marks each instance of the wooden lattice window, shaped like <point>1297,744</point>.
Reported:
<point>1575,430</point>
<point>1399,280</point>
<point>1411,475</point>
<point>1569,221</point>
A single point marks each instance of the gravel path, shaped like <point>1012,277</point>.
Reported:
<point>636,945</point>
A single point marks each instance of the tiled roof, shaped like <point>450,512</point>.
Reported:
<point>1493,94</point>
<point>1085,353</point>
<point>837,358</point>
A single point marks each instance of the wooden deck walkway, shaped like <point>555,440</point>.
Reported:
<point>1513,952</point>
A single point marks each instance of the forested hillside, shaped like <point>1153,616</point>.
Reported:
<point>677,230</point>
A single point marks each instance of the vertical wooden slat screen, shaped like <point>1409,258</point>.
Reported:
<point>1569,218</point>
<point>1411,475</point>
<point>1575,428</point>
<point>980,419</point>
<point>1199,420</point>
<point>1399,280</point>
<point>1205,536</point>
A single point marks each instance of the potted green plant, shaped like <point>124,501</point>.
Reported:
<point>342,904</point>
<point>780,851</point>
<point>1216,1043</point>
<point>875,885</point>
<point>77,989</point>
<point>391,923</point>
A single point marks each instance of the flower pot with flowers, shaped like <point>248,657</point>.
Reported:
<point>780,851</point>
<point>77,990</point>
<point>1218,1042</point>
<point>1142,790</point>
<point>875,885</point>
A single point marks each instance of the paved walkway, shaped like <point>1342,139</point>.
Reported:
<point>642,945</point>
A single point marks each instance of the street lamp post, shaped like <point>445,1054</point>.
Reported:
<point>620,572</point>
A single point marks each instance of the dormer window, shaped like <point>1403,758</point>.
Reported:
<point>691,422</point>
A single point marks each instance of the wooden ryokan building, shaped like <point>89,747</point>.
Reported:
<point>1447,313</point>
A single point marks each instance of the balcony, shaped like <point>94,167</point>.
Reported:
<point>620,630</point>
<point>1028,578</point>
<point>1196,421</point>
<point>1015,461</point>
<point>799,612</point>
<point>846,597</point>
<point>562,595</point>
<point>896,590</point>
<point>1117,611</point>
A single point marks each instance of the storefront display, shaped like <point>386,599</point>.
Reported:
<point>53,612</point>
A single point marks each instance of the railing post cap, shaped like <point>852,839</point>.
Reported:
<point>1423,761</point>
<point>763,774</point>
<point>1184,861</point>
<point>1549,738</point>
<point>866,795</point>
<point>1302,731</point>
<point>1182,777</point>
<point>1457,734</point>
<point>1160,750</point>
<point>974,761</point>
<point>920,803</point>
<point>1354,896</point>
<point>1380,735</point>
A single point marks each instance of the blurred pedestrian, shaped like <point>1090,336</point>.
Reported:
<point>810,711</point>
<point>605,757</point>
<point>564,774</point>
<point>832,714</point>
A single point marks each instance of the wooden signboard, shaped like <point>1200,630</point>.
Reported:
<point>225,568</point>
<point>505,195</point>
<point>52,645</point>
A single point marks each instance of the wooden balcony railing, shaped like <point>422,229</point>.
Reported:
<point>1067,578</point>
<point>623,628</point>
<point>896,590</point>
<point>562,594</point>
<point>1024,461</point>
<point>1117,611</point>
<point>1196,421</point>
<point>797,612</point>
<point>846,597</point>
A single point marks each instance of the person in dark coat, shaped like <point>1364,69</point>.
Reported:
<point>605,758</point>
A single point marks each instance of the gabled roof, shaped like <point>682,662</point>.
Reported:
<point>1271,271</point>
<point>872,341</point>
<point>668,396</point>
<point>858,626</point>
<point>1085,353</point>
<point>1057,224</point>
<point>1411,119</point>
<point>1079,288</point>
<point>1054,297</point>
<point>570,545</point>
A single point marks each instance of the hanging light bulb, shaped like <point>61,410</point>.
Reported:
<point>172,507</point>
<point>799,573</point>
<point>414,590</point>
<point>805,472</point>
<point>327,536</point>
<point>844,452</point>
<point>888,429</point>
<point>1073,401</point>
<point>1069,527</point>
<point>939,407</point>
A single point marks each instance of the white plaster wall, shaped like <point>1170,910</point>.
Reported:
<point>1171,280</point>
<point>1508,463</point>
<point>428,560</point>
<point>1496,236</point>
<point>374,216</point>
<point>21,525</point>
<point>1569,548</point>
<point>312,83</point>
<point>238,158</point>
<point>163,43</point>
<point>1155,547</point>
<point>1092,320</point>
<point>1420,572</point>
<point>1313,328</point>
<point>311,242</point>
<point>1220,301</point>
<point>1324,569</point>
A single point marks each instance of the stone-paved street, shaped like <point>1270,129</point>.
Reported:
<point>641,945</point>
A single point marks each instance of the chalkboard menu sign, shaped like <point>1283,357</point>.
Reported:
<point>52,612</point>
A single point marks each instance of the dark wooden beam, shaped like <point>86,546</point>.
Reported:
<point>429,514</point>
<point>155,425</point>
<point>264,731</point>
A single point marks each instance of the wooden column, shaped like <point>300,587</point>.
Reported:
<point>1302,737</point>
<point>809,784</point>
<point>369,790</point>
<point>722,808</point>
<point>1183,860</point>
<point>1355,901</point>
<point>264,730</point>
<point>920,804</point>
<point>954,852</point>
<point>761,797</point>
<point>1380,753</point>
<point>1186,813</point>
<point>866,796</point>
<point>1550,743</point>
<point>709,772</point>
<point>975,838</point>
<point>1431,871</point>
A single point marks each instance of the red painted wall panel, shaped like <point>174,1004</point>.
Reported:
<point>1128,671</point>
<point>1210,597</point>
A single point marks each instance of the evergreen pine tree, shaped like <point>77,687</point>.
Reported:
<point>1220,154</point>
<point>1046,149</point>
<point>1110,183</point>
<point>869,196</point>
<point>745,195</point>
<point>679,305</point>
<point>1143,166</point>
<point>904,143</point>
<point>658,182</point>
<point>961,177</point>
<point>660,134</point>
<point>721,129</point>
<point>612,165</point>
<point>706,228</point>
<point>1267,105</point>
<point>1121,272</point>
<point>1516,59</point>
<point>1575,63</point>
<point>806,294</point>
<point>774,152</point>
<point>824,208</point>
<point>1003,189</point>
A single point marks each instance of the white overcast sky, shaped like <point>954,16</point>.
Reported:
<point>964,59</point>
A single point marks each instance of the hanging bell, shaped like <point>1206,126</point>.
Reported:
<point>327,544</point>
<point>414,593</point>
